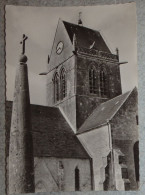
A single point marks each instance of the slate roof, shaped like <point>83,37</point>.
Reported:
<point>85,37</point>
<point>52,136</point>
<point>103,113</point>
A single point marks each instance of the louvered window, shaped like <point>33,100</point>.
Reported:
<point>63,87</point>
<point>56,87</point>
<point>93,80</point>
<point>103,83</point>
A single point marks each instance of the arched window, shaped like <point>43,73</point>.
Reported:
<point>93,80</point>
<point>63,84</point>
<point>77,179</point>
<point>56,87</point>
<point>103,83</point>
<point>136,159</point>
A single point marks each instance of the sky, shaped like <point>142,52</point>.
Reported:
<point>116,23</point>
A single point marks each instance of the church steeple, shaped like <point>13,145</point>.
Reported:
<point>92,74</point>
<point>21,168</point>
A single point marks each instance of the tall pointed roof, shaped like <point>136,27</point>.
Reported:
<point>105,112</point>
<point>85,37</point>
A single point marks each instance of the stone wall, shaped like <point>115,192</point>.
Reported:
<point>64,59</point>
<point>57,174</point>
<point>125,133</point>
<point>97,144</point>
<point>60,35</point>
<point>86,101</point>
<point>112,72</point>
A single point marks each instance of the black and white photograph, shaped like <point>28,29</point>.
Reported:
<point>71,99</point>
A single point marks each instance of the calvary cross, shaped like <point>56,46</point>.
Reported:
<point>23,43</point>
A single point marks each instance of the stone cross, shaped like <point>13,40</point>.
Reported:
<point>23,43</point>
<point>80,14</point>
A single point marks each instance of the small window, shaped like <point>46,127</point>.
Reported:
<point>137,119</point>
<point>61,176</point>
<point>124,173</point>
<point>127,186</point>
<point>77,179</point>
<point>61,165</point>
<point>136,159</point>
<point>122,160</point>
<point>103,83</point>
<point>93,80</point>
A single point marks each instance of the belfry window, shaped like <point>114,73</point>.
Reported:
<point>63,88</point>
<point>93,80</point>
<point>103,83</point>
<point>56,87</point>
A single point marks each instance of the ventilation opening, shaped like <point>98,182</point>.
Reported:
<point>137,119</point>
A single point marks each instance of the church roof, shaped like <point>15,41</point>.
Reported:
<point>52,136</point>
<point>103,113</point>
<point>85,37</point>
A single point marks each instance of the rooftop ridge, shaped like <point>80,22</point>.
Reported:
<point>81,26</point>
<point>37,105</point>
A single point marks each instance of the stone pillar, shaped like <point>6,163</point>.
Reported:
<point>21,160</point>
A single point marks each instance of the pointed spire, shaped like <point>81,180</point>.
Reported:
<point>74,44</point>
<point>117,53</point>
<point>74,40</point>
<point>21,165</point>
<point>80,20</point>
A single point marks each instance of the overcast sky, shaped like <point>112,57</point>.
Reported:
<point>116,23</point>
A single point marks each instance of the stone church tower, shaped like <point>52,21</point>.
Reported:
<point>88,71</point>
<point>84,81</point>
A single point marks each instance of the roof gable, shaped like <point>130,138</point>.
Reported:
<point>52,136</point>
<point>85,37</point>
<point>103,113</point>
<point>62,36</point>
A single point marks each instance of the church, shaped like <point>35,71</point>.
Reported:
<point>86,138</point>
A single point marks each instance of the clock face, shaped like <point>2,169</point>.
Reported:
<point>59,47</point>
